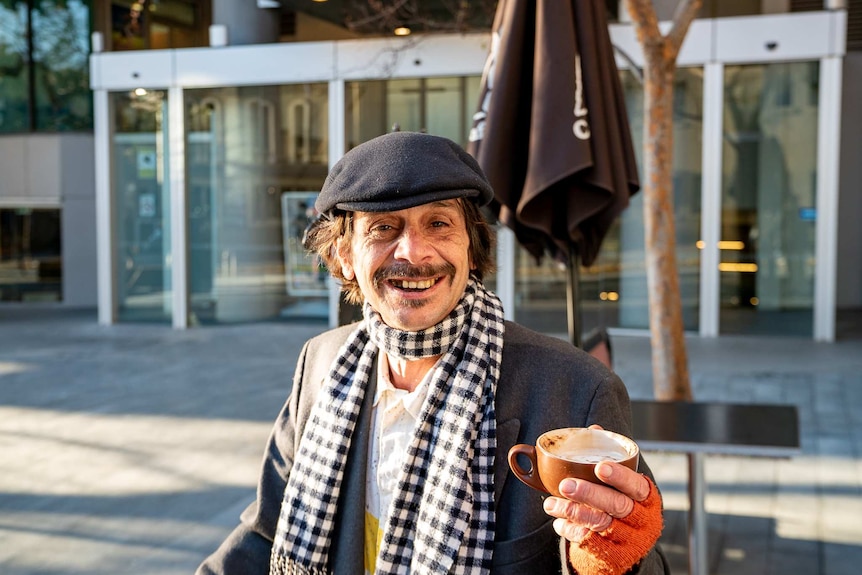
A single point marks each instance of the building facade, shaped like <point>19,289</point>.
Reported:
<point>208,149</point>
<point>47,187</point>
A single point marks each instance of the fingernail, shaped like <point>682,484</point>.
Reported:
<point>604,471</point>
<point>548,505</point>
<point>568,486</point>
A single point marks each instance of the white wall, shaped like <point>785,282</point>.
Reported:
<point>57,171</point>
<point>849,281</point>
<point>29,168</point>
<point>78,193</point>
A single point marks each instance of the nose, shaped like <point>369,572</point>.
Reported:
<point>413,246</point>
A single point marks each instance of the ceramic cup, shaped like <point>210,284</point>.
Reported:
<point>570,452</point>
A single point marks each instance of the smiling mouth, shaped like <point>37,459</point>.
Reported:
<point>410,278</point>
<point>414,285</point>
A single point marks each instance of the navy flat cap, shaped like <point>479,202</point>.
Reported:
<point>402,170</point>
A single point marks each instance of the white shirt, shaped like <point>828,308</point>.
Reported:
<point>396,412</point>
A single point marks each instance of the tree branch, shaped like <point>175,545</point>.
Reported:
<point>645,22</point>
<point>685,12</point>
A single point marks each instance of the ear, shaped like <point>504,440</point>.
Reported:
<point>342,252</point>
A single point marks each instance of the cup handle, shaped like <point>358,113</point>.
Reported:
<point>530,477</point>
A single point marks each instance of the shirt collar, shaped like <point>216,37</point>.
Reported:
<point>412,400</point>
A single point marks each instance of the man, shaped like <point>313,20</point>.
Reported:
<point>390,454</point>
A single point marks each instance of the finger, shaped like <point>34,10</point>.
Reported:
<point>577,515</point>
<point>602,498</point>
<point>571,531</point>
<point>628,482</point>
<point>596,426</point>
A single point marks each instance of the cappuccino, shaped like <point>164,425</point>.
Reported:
<point>590,456</point>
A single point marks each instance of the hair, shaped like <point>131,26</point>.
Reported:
<point>322,237</point>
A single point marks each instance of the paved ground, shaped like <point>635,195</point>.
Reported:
<point>132,449</point>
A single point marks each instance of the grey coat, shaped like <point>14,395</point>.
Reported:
<point>545,383</point>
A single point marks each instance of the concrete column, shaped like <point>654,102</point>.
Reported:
<point>245,22</point>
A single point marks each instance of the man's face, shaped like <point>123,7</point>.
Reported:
<point>411,265</point>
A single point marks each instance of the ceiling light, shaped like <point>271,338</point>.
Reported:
<point>402,31</point>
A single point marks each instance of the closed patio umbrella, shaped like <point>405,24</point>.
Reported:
<point>552,133</point>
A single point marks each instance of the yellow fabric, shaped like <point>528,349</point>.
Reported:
<point>396,412</point>
<point>373,537</point>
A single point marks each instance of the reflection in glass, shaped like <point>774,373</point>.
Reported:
<point>156,24</point>
<point>14,84</point>
<point>613,291</point>
<point>440,106</point>
<point>769,206</point>
<point>142,206</point>
<point>30,248</point>
<point>59,98</point>
<point>256,158</point>
<point>61,35</point>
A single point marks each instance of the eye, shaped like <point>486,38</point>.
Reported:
<point>381,230</point>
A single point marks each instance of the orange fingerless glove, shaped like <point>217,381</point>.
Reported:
<point>615,550</point>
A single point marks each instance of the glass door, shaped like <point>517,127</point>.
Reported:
<point>142,200</point>
<point>256,157</point>
<point>769,211</point>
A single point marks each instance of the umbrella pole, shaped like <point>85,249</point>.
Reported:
<point>573,304</point>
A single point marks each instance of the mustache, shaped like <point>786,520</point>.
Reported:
<point>408,271</point>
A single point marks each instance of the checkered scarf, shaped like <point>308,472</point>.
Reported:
<point>442,516</point>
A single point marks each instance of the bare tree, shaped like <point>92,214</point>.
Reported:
<point>383,16</point>
<point>669,358</point>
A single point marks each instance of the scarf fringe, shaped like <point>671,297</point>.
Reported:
<point>287,567</point>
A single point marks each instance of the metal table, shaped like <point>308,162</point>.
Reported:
<point>701,428</point>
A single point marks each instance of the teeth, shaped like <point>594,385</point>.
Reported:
<point>425,284</point>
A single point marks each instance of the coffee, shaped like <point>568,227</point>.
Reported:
<point>570,452</point>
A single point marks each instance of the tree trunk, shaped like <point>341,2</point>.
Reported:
<point>669,359</point>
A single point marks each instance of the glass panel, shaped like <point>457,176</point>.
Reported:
<point>14,85</point>
<point>257,156</point>
<point>440,106</point>
<point>613,291</point>
<point>30,248</point>
<point>405,105</point>
<point>157,24</point>
<point>128,25</point>
<point>142,206</point>
<point>61,35</point>
<point>445,95</point>
<point>769,206</point>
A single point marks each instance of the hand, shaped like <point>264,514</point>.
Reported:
<point>588,507</point>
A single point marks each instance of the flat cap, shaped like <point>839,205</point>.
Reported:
<point>401,170</point>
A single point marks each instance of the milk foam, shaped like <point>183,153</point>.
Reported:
<point>590,456</point>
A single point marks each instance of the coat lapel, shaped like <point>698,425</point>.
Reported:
<point>348,547</point>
